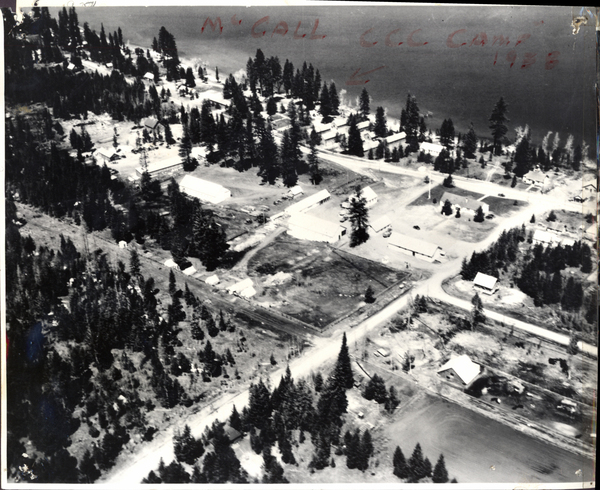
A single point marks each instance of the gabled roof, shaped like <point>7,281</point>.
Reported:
<point>308,202</point>
<point>485,281</point>
<point>543,236</point>
<point>151,122</point>
<point>316,225</point>
<point>392,138</point>
<point>363,125</point>
<point>462,201</point>
<point>466,369</point>
<point>369,194</point>
<point>296,190</point>
<point>203,189</point>
<point>238,287</point>
<point>381,223</point>
<point>149,76</point>
<point>413,244</point>
<point>430,147</point>
<point>535,175</point>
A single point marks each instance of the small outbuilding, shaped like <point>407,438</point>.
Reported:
<point>460,369</point>
<point>381,224</point>
<point>485,284</point>
<point>171,264</point>
<point>190,270</point>
<point>212,280</point>
<point>240,286</point>
<point>295,191</point>
<point>122,244</point>
<point>369,195</point>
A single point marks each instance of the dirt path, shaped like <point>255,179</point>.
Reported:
<point>242,265</point>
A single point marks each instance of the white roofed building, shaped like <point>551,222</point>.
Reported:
<point>295,191</point>
<point>382,223</point>
<point>544,238</point>
<point>164,167</point>
<point>240,286</point>
<point>369,195</point>
<point>460,369</point>
<point>204,190</point>
<point>414,247</point>
<point>306,227</point>
<point>212,280</point>
<point>484,283</point>
<point>309,202</point>
<point>433,149</point>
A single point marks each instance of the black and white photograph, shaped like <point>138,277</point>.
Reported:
<point>294,242</point>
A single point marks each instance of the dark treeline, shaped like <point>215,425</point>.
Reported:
<point>283,416</point>
<point>536,270</point>
<point>75,325</point>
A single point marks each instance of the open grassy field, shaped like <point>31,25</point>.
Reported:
<point>478,449</point>
<point>323,283</point>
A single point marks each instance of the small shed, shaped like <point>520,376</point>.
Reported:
<point>212,280</point>
<point>382,223</point>
<point>461,369</point>
<point>149,76</point>
<point>369,195</point>
<point>238,287</point>
<point>190,270</point>
<point>486,284</point>
<point>248,292</point>
<point>232,434</point>
<point>296,191</point>
<point>122,244</point>
<point>171,264</point>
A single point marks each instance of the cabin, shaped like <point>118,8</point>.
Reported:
<point>306,227</point>
<point>106,155</point>
<point>394,140</point>
<point>240,286</point>
<point>148,76</point>
<point>212,280</point>
<point>232,434</point>
<point>295,191</point>
<point>171,264</point>
<point>153,126</point>
<point>190,270</point>
<point>485,284</point>
<point>544,238</point>
<point>382,223</point>
<point>537,177</point>
<point>433,149</point>
<point>369,195</point>
<point>166,167</point>
<point>309,202</point>
<point>204,190</point>
<point>464,203</point>
<point>414,247</point>
<point>461,370</point>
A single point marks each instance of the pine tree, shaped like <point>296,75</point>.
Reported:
<point>470,143</point>
<point>416,465</point>
<point>355,143</point>
<point>440,474</point>
<point>364,104</point>
<point>369,295</point>
<point>343,368</point>
<point>400,465</point>
<point>477,314</point>
<point>359,219</point>
<point>479,216</point>
<point>498,122</point>
<point>380,128</point>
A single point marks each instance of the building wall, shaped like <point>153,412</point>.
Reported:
<point>313,235</point>
<point>413,254</point>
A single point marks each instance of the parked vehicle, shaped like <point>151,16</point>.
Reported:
<point>417,227</point>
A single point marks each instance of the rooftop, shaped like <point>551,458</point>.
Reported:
<point>466,369</point>
<point>413,244</point>
<point>485,281</point>
<point>307,202</point>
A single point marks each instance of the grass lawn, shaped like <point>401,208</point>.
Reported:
<point>438,191</point>
<point>501,206</point>
<point>324,284</point>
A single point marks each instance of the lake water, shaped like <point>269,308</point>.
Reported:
<point>462,83</point>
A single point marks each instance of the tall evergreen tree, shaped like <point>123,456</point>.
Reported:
<point>364,105</point>
<point>359,219</point>
<point>355,143</point>
<point>440,474</point>
<point>343,368</point>
<point>498,122</point>
<point>380,128</point>
<point>470,142</point>
<point>400,465</point>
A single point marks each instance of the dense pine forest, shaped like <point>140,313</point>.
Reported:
<point>540,272</point>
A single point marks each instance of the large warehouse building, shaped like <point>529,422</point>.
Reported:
<point>204,190</point>
<point>307,227</point>
<point>414,247</point>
